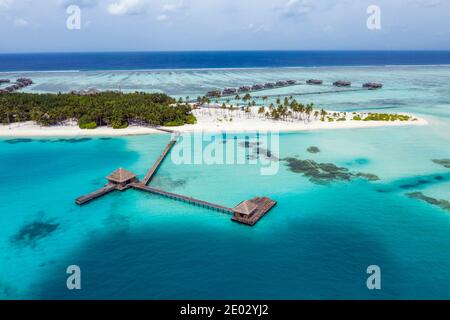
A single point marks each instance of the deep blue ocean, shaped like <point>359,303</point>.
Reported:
<point>212,59</point>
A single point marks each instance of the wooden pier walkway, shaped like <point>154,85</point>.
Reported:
<point>150,174</point>
<point>201,203</point>
<point>96,194</point>
<point>248,212</point>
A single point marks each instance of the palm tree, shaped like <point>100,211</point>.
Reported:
<point>261,111</point>
<point>301,109</point>
<point>308,110</point>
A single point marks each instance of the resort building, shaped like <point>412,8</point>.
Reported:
<point>228,91</point>
<point>245,89</point>
<point>291,82</point>
<point>314,82</point>
<point>258,87</point>
<point>269,85</point>
<point>4,81</point>
<point>342,83</point>
<point>214,94</point>
<point>249,212</point>
<point>281,83</point>
<point>372,85</point>
<point>121,178</point>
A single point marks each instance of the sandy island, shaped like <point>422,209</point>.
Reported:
<point>208,121</point>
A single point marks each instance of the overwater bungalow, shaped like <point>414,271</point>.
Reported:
<point>3,91</point>
<point>9,89</point>
<point>245,89</point>
<point>342,83</point>
<point>372,85</point>
<point>281,83</point>
<point>228,91</point>
<point>4,81</point>
<point>25,81</point>
<point>121,178</point>
<point>214,94</point>
<point>258,87</point>
<point>250,211</point>
<point>314,82</point>
<point>269,85</point>
<point>291,82</point>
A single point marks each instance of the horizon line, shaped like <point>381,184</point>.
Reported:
<point>232,50</point>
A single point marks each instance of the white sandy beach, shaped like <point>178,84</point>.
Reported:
<point>206,122</point>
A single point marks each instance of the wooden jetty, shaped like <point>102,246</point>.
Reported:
<point>150,174</point>
<point>96,194</point>
<point>248,212</point>
<point>179,197</point>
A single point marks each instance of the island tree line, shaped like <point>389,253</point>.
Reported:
<point>114,109</point>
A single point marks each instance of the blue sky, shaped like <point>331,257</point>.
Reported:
<point>129,25</point>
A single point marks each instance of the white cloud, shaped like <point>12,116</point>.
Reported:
<point>298,8</point>
<point>80,3</point>
<point>175,7</point>
<point>123,7</point>
<point>6,4</point>
<point>21,23</point>
<point>162,17</point>
<point>259,28</point>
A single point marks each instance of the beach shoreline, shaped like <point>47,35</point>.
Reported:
<point>238,125</point>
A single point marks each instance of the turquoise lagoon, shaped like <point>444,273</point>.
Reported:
<point>317,242</point>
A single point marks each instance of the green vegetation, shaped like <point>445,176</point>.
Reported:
<point>90,111</point>
<point>89,125</point>
<point>386,117</point>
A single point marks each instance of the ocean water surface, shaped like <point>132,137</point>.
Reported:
<point>316,243</point>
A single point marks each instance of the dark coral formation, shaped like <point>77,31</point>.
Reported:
<point>256,151</point>
<point>323,173</point>
<point>15,141</point>
<point>313,150</point>
<point>443,162</point>
<point>367,176</point>
<point>30,233</point>
<point>443,204</point>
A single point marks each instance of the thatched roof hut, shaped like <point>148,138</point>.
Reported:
<point>342,83</point>
<point>372,85</point>
<point>258,87</point>
<point>245,208</point>
<point>229,91</point>
<point>245,89</point>
<point>214,94</point>
<point>122,178</point>
<point>314,82</point>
